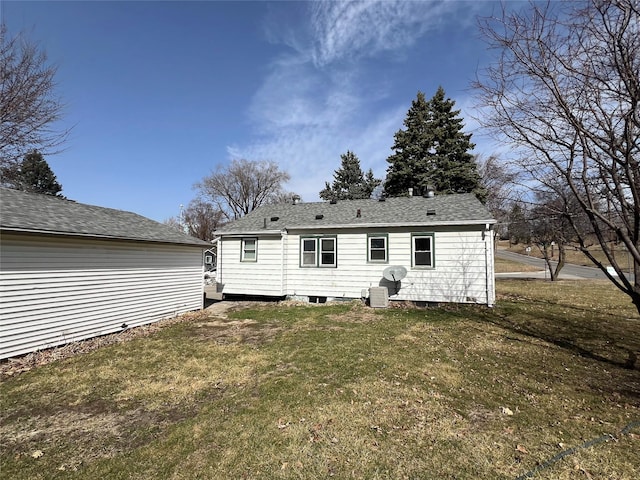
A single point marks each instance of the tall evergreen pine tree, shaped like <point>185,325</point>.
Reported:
<point>432,151</point>
<point>36,176</point>
<point>349,182</point>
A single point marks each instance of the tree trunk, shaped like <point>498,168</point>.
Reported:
<point>561,259</point>
<point>554,272</point>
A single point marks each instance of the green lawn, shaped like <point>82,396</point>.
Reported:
<point>344,391</point>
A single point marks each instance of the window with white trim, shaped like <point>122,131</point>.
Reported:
<point>422,250</point>
<point>318,252</point>
<point>377,248</point>
<point>249,251</point>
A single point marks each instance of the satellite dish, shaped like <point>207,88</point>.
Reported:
<point>394,273</point>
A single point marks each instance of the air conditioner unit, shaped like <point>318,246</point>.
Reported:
<point>378,297</point>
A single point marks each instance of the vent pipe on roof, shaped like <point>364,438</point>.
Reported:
<point>296,199</point>
<point>265,223</point>
<point>358,213</point>
<point>410,192</point>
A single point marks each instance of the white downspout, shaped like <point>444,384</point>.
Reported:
<point>218,259</point>
<point>283,263</point>
<point>488,271</point>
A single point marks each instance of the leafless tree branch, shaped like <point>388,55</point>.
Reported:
<point>565,93</point>
<point>29,107</point>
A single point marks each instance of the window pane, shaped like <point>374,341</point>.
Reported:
<point>250,255</point>
<point>377,243</point>
<point>309,245</point>
<point>378,255</point>
<point>328,244</point>
<point>309,258</point>
<point>328,258</point>
<point>422,243</point>
<point>250,244</point>
<point>423,258</point>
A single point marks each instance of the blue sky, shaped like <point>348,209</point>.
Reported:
<point>161,93</point>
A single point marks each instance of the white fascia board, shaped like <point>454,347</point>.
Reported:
<point>250,233</point>
<point>97,236</point>
<point>396,225</point>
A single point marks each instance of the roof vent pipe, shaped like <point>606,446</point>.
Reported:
<point>264,225</point>
<point>358,213</point>
<point>410,192</point>
<point>296,199</point>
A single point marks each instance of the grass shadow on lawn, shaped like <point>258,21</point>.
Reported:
<point>593,321</point>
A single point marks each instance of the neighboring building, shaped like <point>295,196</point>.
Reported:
<point>210,260</point>
<point>70,271</point>
<point>323,251</point>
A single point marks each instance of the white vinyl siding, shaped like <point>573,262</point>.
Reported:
<point>463,273</point>
<point>463,258</point>
<point>262,277</point>
<point>54,290</point>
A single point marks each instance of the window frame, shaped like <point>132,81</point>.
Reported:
<point>318,252</point>
<point>243,250</point>
<point>431,237</point>
<point>372,236</point>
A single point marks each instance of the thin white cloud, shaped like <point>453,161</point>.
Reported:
<point>348,30</point>
<point>315,102</point>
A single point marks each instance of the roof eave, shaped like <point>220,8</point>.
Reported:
<point>33,231</point>
<point>316,226</point>
<point>396,225</point>
<point>244,233</point>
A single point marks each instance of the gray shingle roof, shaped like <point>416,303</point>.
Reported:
<point>458,209</point>
<point>30,212</point>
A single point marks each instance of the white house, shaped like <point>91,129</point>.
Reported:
<point>340,250</point>
<point>70,271</point>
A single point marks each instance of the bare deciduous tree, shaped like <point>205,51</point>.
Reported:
<point>175,223</point>
<point>565,92</point>
<point>29,107</point>
<point>242,186</point>
<point>499,182</point>
<point>201,219</point>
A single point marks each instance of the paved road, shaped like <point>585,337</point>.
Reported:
<point>569,271</point>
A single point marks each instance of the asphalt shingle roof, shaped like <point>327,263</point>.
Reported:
<point>458,209</point>
<point>30,212</point>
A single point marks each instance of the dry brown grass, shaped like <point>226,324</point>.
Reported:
<point>343,391</point>
<point>573,254</point>
<point>507,266</point>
